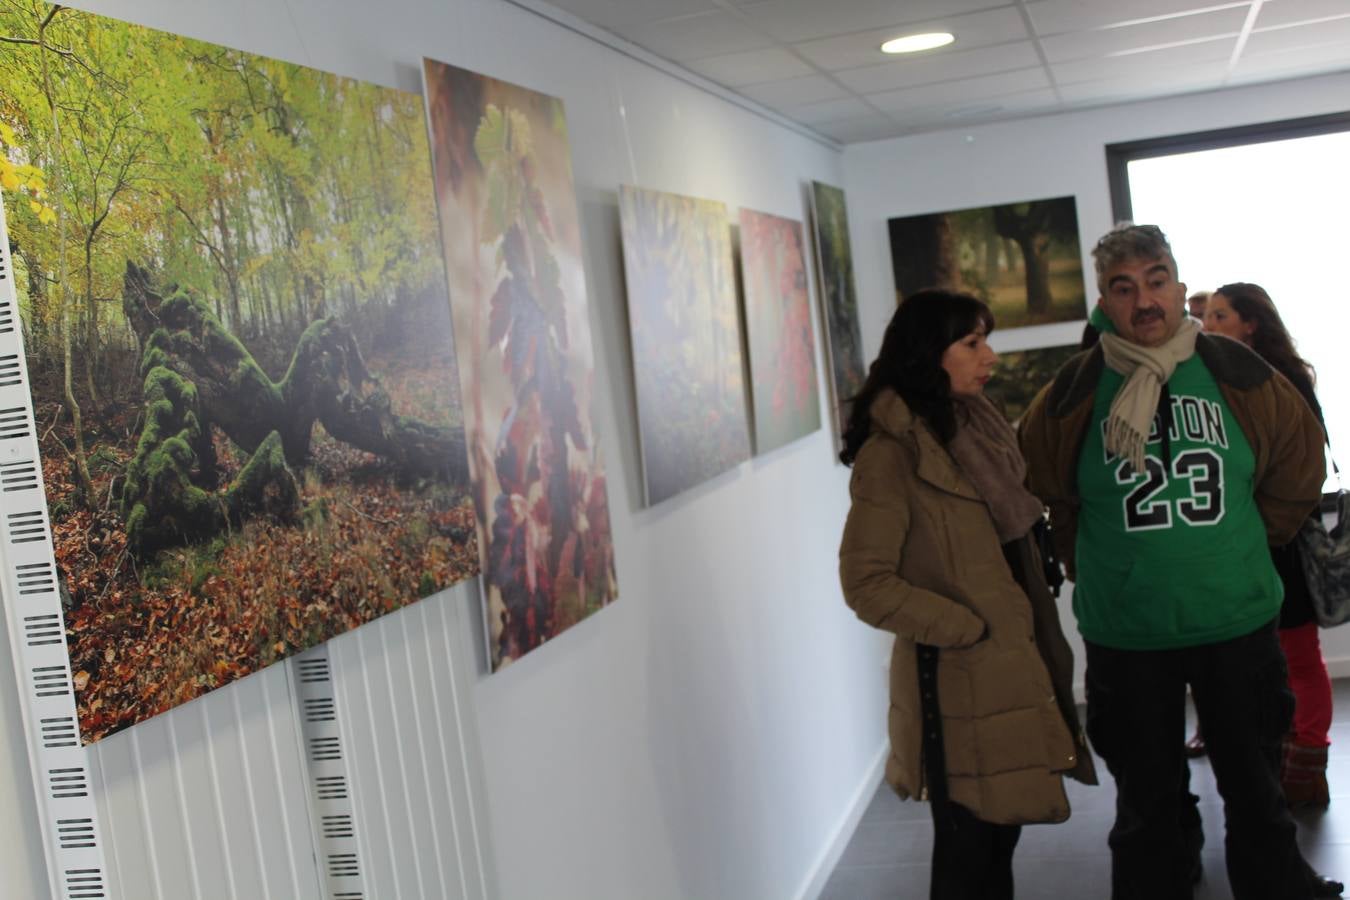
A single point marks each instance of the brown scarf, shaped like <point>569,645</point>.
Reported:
<point>985,448</point>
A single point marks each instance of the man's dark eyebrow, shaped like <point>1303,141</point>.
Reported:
<point>1151,270</point>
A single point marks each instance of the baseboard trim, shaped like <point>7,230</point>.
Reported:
<point>823,867</point>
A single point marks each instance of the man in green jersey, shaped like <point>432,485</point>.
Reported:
<point>1170,460</point>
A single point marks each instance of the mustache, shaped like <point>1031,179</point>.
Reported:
<point>1146,315</point>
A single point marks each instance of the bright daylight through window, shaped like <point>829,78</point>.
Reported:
<point>1275,214</point>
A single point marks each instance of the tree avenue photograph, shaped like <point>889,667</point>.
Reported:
<point>239,343</point>
<point>1023,259</point>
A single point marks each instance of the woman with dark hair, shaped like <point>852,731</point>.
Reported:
<point>937,549</point>
<point>1245,312</point>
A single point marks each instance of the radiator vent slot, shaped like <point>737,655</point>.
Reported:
<point>76,834</point>
<point>51,681</point>
<point>314,671</point>
<point>338,827</point>
<point>27,527</point>
<point>42,630</point>
<point>343,865</point>
<point>84,884</point>
<point>331,787</point>
<point>320,709</point>
<point>36,578</point>
<point>60,732</point>
<point>18,476</point>
<point>67,783</point>
<point>11,373</point>
<point>14,423</point>
<point>324,749</point>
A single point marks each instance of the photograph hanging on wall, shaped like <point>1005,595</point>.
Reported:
<point>512,244</point>
<point>1019,375</point>
<point>1023,259</point>
<point>838,297</point>
<point>238,338</point>
<point>686,339</point>
<point>779,338</point>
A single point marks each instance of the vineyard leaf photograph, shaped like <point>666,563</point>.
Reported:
<point>512,243</point>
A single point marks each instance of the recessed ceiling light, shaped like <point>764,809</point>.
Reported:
<point>913,43</point>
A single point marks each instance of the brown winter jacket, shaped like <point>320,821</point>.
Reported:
<point>1284,435</point>
<point>920,558</point>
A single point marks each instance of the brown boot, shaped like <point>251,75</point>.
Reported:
<point>1304,777</point>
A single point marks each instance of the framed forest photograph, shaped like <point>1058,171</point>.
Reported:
<point>780,340</point>
<point>238,339</point>
<point>686,339</point>
<point>1023,259</point>
<point>838,298</point>
<point>1019,375</point>
<point>512,244</point>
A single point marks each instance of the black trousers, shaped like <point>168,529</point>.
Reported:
<point>972,859</point>
<point>1136,720</point>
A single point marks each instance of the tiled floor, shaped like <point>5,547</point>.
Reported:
<point>887,858</point>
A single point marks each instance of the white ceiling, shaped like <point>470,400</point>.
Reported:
<point>817,62</point>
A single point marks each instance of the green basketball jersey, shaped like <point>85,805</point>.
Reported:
<point>1175,556</point>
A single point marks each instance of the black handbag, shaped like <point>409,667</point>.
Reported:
<point>1325,556</point>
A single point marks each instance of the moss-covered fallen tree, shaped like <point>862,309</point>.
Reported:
<point>196,375</point>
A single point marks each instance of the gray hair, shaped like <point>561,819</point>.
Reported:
<point>1130,241</point>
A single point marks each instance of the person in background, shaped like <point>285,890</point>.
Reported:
<point>1245,312</point>
<point>1195,305</point>
<point>937,550</point>
<point>1169,461</point>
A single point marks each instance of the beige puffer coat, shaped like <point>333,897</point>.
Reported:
<point>920,557</point>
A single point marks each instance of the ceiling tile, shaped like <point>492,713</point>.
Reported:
<point>1285,12</point>
<point>792,21</point>
<point>1291,37</point>
<point>1141,65</point>
<point>863,48</point>
<point>1291,63</point>
<point>1060,16</point>
<point>916,70</point>
<point>795,91</point>
<point>830,111</point>
<point>954,94</point>
<point>693,37</point>
<point>614,14</point>
<point>1137,85</point>
<point>867,128</point>
<point>755,67</point>
<point>961,116</point>
<point>1104,42</point>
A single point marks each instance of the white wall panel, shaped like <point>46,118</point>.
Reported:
<point>208,800</point>
<point>394,681</point>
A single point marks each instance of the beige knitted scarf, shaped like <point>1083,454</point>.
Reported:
<point>1146,370</point>
<point>985,448</point>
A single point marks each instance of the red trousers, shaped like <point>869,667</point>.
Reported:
<point>1310,683</point>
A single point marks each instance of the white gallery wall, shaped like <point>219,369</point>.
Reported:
<point>705,737</point>
<point>1050,156</point>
